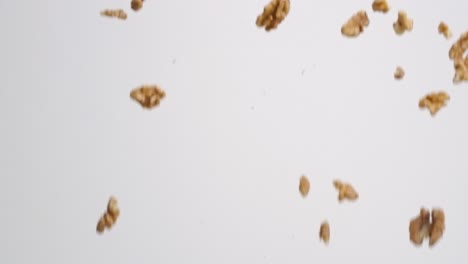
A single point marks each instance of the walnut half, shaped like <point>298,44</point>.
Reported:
<point>403,23</point>
<point>355,25</point>
<point>345,191</point>
<point>434,101</point>
<point>149,96</point>
<point>109,218</point>
<point>273,14</point>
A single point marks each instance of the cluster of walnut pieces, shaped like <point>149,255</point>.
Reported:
<point>304,186</point>
<point>345,191</point>
<point>399,73</point>
<point>117,13</point>
<point>149,96</point>
<point>136,4</point>
<point>380,6</point>
<point>324,233</point>
<point>109,218</point>
<point>355,25</point>
<point>403,23</point>
<point>460,61</point>
<point>421,227</point>
<point>273,14</point>
<point>444,30</point>
<point>434,101</point>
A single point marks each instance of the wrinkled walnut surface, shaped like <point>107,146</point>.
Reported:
<point>355,25</point>
<point>273,14</point>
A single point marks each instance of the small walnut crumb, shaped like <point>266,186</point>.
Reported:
<point>345,191</point>
<point>444,30</point>
<point>273,14</point>
<point>380,6</point>
<point>399,73</point>
<point>117,13</point>
<point>304,186</point>
<point>109,218</point>
<point>437,228</point>
<point>355,25</point>
<point>434,102</point>
<point>324,233</point>
<point>136,4</point>
<point>148,96</point>
<point>460,61</point>
<point>419,227</point>
<point>403,23</point>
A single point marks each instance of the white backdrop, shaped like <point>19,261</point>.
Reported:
<point>211,176</point>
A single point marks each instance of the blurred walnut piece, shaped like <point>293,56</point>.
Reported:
<point>324,233</point>
<point>460,61</point>
<point>355,25</point>
<point>403,23</point>
<point>273,14</point>
<point>444,30</point>
<point>380,6</point>
<point>136,4</point>
<point>399,73</point>
<point>422,226</point>
<point>109,218</point>
<point>304,186</point>
<point>345,191</point>
<point>148,96</point>
<point>117,13</point>
<point>437,228</point>
<point>434,101</point>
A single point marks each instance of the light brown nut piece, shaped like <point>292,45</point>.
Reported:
<point>399,73</point>
<point>112,208</point>
<point>459,48</point>
<point>109,218</point>
<point>136,4</point>
<point>149,96</point>
<point>117,13</point>
<point>380,6</point>
<point>101,225</point>
<point>345,191</point>
<point>437,227</point>
<point>304,186</point>
<point>324,233</point>
<point>434,101</point>
<point>355,25</point>
<point>444,30</point>
<point>403,23</point>
<point>419,227</point>
<point>273,14</point>
<point>461,70</point>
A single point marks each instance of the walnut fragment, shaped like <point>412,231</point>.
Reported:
<point>423,227</point>
<point>444,30</point>
<point>345,191</point>
<point>149,96</point>
<point>136,5</point>
<point>109,218</point>
<point>437,228</point>
<point>380,6</point>
<point>434,101</point>
<point>355,25</point>
<point>273,14</point>
<point>304,186</point>
<point>403,23</point>
<point>460,60</point>
<point>324,233</point>
<point>399,73</point>
<point>117,13</point>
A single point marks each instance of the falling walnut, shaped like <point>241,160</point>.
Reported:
<point>434,101</point>
<point>380,6</point>
<point>109,218</point>
<point>355,25</point>
<point>304,186</point>
<point>421,228</point>
<point>460,61</point>
<point>345,191</point>
<point>273,14</point>
<point>444,30</point>
<point>117,13</point>
<point>136,4</point>
<point>403,23</point>
<point>149,96</point>
<point>324,233</point>
<point>399,73</point>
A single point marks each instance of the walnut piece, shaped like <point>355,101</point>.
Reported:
<point>324,233</point>
<point>109,218</point>
<point>117,13</point>
<point>437,228</point>
<point>148,96</point>
<point>422,226</point>
<point>399,73</point>
<point>345,191</point>
<point>304,186</point>
<point>434,101</point>
<point>380,6</point>
<point>273,14</point>
<point>444,30</point>
<point>460,60</point>
<point>136,4</point>
<point>403,23</point>
<point>355,25</point>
